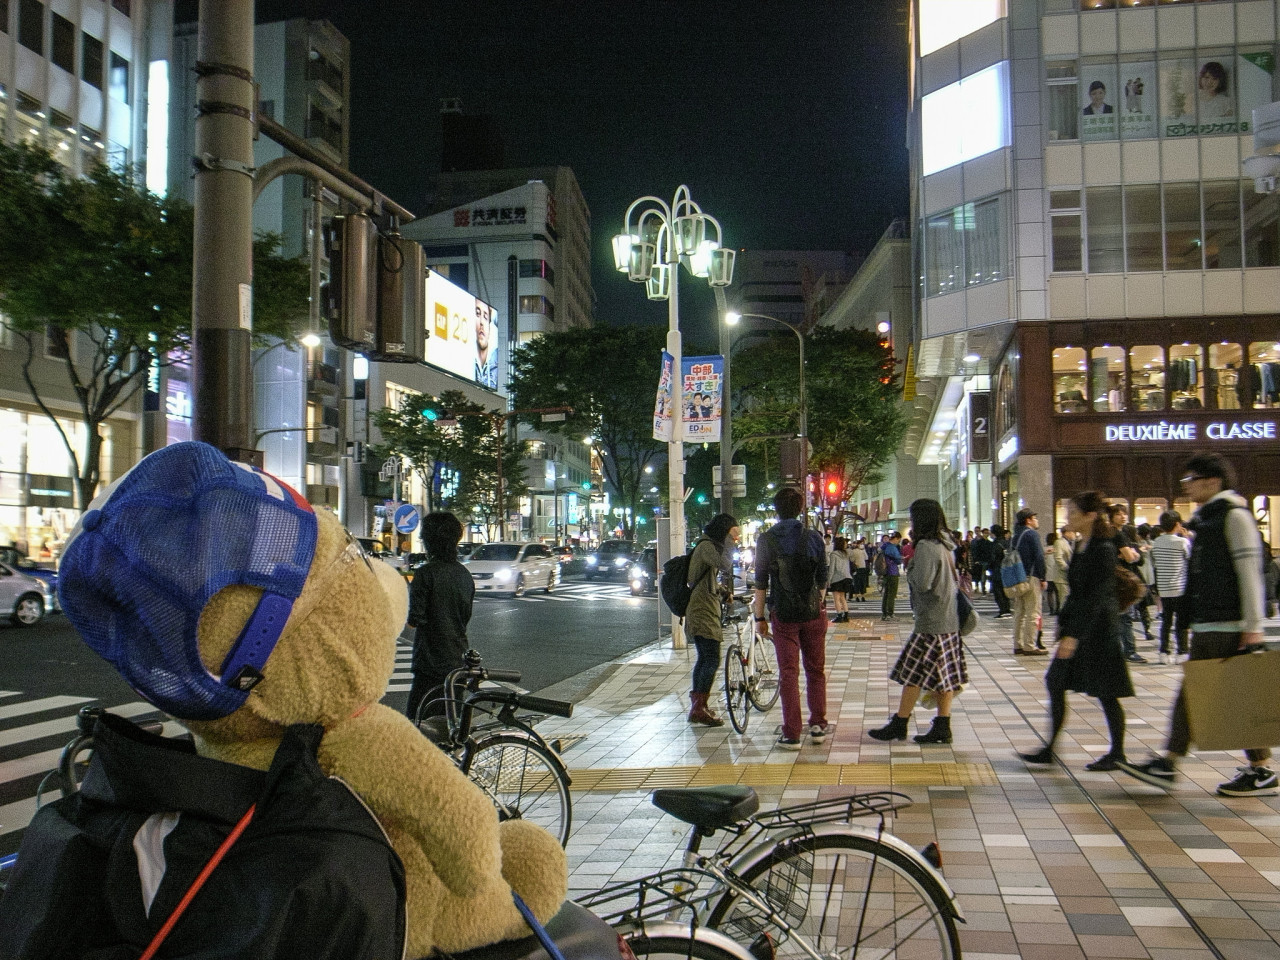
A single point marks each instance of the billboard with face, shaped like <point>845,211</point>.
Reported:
<point>462,333</point>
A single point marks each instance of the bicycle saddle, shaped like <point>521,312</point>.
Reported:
<point>708,807</point>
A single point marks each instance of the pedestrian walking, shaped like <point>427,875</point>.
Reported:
<point>933,656</point>
<point>1088,658</point>
<point>1224,600</point>
<point>893,561</point>
<point>980,559</point>
<point>999,545</point>
<point>790,577</point>
<point>840,578</point>
<point>1063,549</point>
<point>440,601</point>
<point>860,565</point>
<point>1130,557</point>
<point>1170,554</point>
<point>702,618</point>
<point>1051,604</point>
<point>1026,606</point>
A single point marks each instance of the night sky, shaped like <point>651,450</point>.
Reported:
<point>786,118</point>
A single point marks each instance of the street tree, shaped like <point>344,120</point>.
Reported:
<point>856,421</point>
<point>609,377</point>
<point>95,272</point>
<point>452,444</point>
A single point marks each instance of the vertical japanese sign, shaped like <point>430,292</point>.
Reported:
<point>979,427</point>
<point>662,405</point>
<point>702,394</point>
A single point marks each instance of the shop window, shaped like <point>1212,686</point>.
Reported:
<point>1263,373</point>
<point>1261,229</point>
<point>1105,227</point>
<point>1182,226</point>
<point>1143,239</point>
<point>1226,385</point>
<point>1064,112</point>
<point>1107,376</point>
<point>1148,510</point>
<point>1185,377</point>
<point>1070,380</point>
<point>1222,224</point>
<point>1146,378</point>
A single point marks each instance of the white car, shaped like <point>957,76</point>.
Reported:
<point>514,568</point>
<point>26,598</point>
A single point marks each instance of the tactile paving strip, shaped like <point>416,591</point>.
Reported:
<point>785,774</point>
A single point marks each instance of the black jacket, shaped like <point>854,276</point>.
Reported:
<point>313,874</point>
<point>440,602</point>
<point>1213,589</point>
<point>1092,615</point>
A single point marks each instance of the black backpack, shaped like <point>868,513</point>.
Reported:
<point>674,584</point>
<point>796,595</point>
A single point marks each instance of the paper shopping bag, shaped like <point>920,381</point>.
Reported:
<point>1234,704</point>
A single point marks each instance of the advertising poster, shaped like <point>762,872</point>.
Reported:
<point>1098,117</point>
<point>662,405</point>
<point>462,333</point>
<point>1254,77</point>
<point>1178,97</point>
<point>702,390</point>
<point>1137,103</point>
<point>1215,95</point>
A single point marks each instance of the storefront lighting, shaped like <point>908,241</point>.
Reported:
<point>974,358</point>
<point>309,340</point>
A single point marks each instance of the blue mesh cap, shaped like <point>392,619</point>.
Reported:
<point>157,544</point>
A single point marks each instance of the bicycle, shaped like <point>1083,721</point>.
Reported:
<point>804,882</point>
<point>750,667</point>
<point>520,772</point>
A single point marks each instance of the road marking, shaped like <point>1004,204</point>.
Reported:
<point>38,706</point>
<point>784,774</point>
<point>49,728</point>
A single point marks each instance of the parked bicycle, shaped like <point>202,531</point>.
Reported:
<point>750,666</point>
<point>805,881</point>
<point>500,751</point>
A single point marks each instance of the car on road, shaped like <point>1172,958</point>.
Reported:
<point>644,573</point>
<point>611,559</point>
<point>26,598</point>
<point>20,561</point>
<point>514,568</point>
<point>465,549</point>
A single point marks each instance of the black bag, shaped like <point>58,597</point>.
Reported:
<point>796,595</point>
<point>674,584</point>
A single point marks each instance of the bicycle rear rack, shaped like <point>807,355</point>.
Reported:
<point>835,810</point>
<point>662,896</point>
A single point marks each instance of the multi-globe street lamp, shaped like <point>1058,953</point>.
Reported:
<point>657,237</point>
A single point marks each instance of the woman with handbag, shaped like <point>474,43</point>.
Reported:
<point>933,658</point>
<point>1089,658</point>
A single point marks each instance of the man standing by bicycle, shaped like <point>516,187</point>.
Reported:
<point>440,600</point>
<point>791,576</point>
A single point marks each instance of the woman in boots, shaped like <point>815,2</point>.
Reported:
<point>839,578</point>
<point>1090,657</point>
<point>712,555</point>
<point>933,658</point>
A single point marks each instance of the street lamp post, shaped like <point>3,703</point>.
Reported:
<point>652,246</point>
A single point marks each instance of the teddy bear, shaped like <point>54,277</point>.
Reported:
<point>329,666</point>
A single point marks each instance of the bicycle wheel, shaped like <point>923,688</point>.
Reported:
<point>735,688</point>
<point>525,780</point>
<point>847,895</point>
<point>764,691</point>
<point>674,947</point>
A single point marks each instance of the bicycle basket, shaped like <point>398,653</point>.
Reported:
<point>786,888</point>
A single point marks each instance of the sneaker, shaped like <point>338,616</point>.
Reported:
<point>818,732</point>
<point>1003,616</point>
<point>1164,658</point>
<point>1036,652</point>
<point>1251,782</point>
<point>1158,771</point>
<point>788,743</point>
<point>1105,763</point>
<point>1136,658</point>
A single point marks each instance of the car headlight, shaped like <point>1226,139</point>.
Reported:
<point>620,562</point>
<point>592,561</point>
<point>503,575</point>
<point>637,584</point>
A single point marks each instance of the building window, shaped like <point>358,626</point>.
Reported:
<point>91,60</point>
<point>91,148</point>
<point>1221,201</point>
<point>1107,376</point>
<point>1264,375</point>
<point>537,268</point>
<point>965,246</point>
<point>1183,243</point>
<point>1261,229</point>
<point>1146,378</point>
<point>121,5</point>
<point>945,21</point>
<point>1144,240</point>
<point>118,79</point>
<point>1064,112</point>
<point>64,43</point>
<point>1065,217</point>
<point>117,156</point>
<point>4,16</point>
<point>966,119</point>
<point>321,126</point>
<point>537,304</point>
<point>1185,379</point>
<point>31,25</point>
<point>321,69</point>
<point>30,117</point>
<point>944,255</point>
<point>1070,380</point>
<point>1105,224</point>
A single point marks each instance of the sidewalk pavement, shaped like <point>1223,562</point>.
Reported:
<point>1051,863</point>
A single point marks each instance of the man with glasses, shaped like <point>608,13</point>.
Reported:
<point>1224,603</point>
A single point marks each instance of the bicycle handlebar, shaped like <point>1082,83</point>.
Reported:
<point>502,676</point>
<point>521,701</point>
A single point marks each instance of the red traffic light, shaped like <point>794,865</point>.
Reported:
<point>832,489</point>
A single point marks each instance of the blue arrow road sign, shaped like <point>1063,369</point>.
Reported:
<point>406,518</point>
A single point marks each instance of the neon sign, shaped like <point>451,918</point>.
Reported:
<point>1221,430</point>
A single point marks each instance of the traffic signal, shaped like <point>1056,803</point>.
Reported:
<point>434,413</point>
<point>701,498</point>
<point>832,490</point>
<point>586,484</point>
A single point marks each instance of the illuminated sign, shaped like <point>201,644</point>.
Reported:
<point>1222,430</point>
<point>461,334</point>
<point>1007,449</point>
<point>946,21</point>
<point>965,119</point>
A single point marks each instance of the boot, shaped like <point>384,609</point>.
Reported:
<point>699,712</point>
<point>940,732</point>
<point>895,729</point>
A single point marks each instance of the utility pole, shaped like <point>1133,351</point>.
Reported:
<point>222,278</point>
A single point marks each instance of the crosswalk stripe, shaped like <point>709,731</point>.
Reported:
<point>398,687</point>
<point>28,765</point>
<point>38,706</point>
<point>49,728</point>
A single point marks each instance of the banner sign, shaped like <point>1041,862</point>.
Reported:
<point>979,427</point>
<point>662,405</point>
<point>702,392</point>
<point>462,332</point>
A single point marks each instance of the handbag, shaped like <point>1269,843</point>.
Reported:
<point>1232,703</point>
<point>1129,587</point>
<point>966,616</point>
<point>1013,574</point>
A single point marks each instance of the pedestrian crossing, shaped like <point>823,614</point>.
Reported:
<point>574,592</point>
